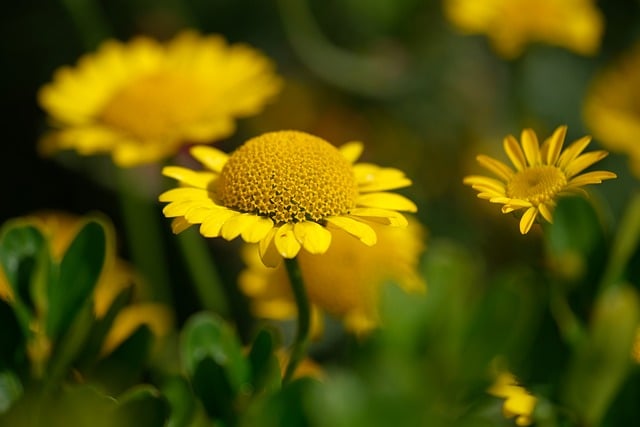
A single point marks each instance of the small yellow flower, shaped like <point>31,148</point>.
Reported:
<point>611,107</point>
<point>541,175</point>
<point>286,190</point>
<point>511,24</point>
<point>518,402</point>
<point>141,101</point>
<point>344,281</point>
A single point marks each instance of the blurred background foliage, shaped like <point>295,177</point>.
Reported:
<point>558,307</point>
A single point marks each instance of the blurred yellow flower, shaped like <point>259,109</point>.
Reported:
<point>60,229</point>
<point>286,190</point>
<point>541,175</point>
<point>141,101</point>
<point>611,108</point>
<point>518,402</point>
<point>511,24</point>
<point>344,281</point>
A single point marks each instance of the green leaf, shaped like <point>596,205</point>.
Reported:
<point>213,358</point>
<point>10,390</point>
<point>141,406</point>
<point>79,272</point>
<point>265,368</point>
<point>24,258</point>
<point>208,336</point>
<point>575,240</point>
<point>600,364</point>
<point>181,401</point>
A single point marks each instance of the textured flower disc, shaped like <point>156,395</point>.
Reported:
<point>288,177</point>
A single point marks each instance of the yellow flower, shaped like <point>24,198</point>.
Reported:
<point>344,281</point>
<point>519,403</point>
<point>286,190</point>
<point>511,24</point>
<point>541,175</point>
<point>611,108</point>
<point>141,101</point>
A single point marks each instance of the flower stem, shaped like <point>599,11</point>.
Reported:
<point>204,273</point>
<point>144,234</point>
<point>299,346</point>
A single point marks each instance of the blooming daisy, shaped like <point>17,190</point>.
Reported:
<point>611,108</point>
<point>541,175</point>
<point>511,24</point>
<point>349,290</point>
<point>141,101</point>
<point>518,402</point>
<point>286,190</point>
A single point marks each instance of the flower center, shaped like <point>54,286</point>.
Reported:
<point>288,176</point>
<point>537,184</point>
<point>155,105</point>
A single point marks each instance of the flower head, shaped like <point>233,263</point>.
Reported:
<point>518,402</point>
<point>611,108</point>
<point>349,288</point>
<point>541,175</point>
<point>286,190</point>
<point>511,24</point>
<point>141,101</point>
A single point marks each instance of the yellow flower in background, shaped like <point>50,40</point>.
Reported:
<point>141,101</point>
<point>541,175</point>
<point>611,108</point>
<point>286,190</point>
<point>343,282</point>
<point>518,402</point>
<point>60,229</point>
<point>511,24</point>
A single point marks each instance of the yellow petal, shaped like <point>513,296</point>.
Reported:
<point>184,193</point>
<point>236,225</point>
<point>286,242</point>
<point>210,157</point>
<point>267,250</point>
<point>258,230</point>
<point>362,231</point>
<point>552,147</point>
<point>497,167</point>
<point>374,178</point>
<point>387,201</point>
<point>573,151</point>
<point>484,183</point>
<point>178,225</point>
<point>545,211</point>
<point>583,161</point>
<point>190,177</point>
<point>212,225</point>
<point>531,147</point>
<point>527,220</point>
<point>351,150</point>
<point>595,177</point>
<point>513,150</point>
<point>313,237</point>
<point>382,216</point>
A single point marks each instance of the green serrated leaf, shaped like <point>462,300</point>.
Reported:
<point>79,271</point>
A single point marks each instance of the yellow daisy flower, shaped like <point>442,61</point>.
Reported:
<point>349,289</point>
<point>511,24</point>
<point>286,190</point>
<point>541,175</point>
<point>141,101</point>
<point>611,107</point>
<point>518,402</point>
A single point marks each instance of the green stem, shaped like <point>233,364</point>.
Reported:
<point>568,323</point>
<point>624,244</point>
<point>144,234</point>
<point>299,346</point>
<point>204,274</point>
